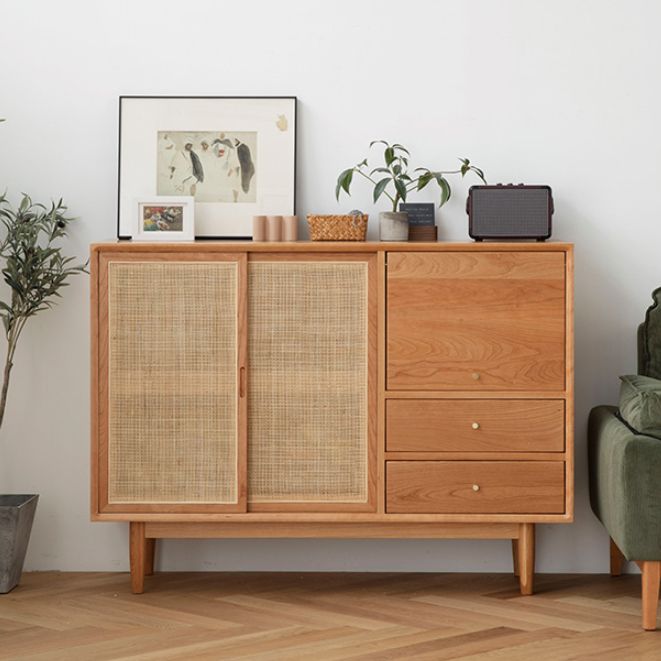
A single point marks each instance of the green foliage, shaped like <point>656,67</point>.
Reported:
<point>397,177</point>
<point>34,267</point>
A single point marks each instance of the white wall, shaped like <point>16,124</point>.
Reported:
<point>565,93</point>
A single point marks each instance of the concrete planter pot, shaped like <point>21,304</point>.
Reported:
<point>16,516</point>
<point>393,226</point>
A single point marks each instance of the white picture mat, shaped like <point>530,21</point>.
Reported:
<point>143,117</point>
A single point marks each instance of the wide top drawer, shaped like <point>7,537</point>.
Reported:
<point>476,321</point>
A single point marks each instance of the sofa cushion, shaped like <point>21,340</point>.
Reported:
<point>640,404</point>
<point>649,339</point>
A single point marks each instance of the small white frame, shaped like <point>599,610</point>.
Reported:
<point>187,205</point>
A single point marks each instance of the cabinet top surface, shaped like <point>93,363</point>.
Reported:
<point>328,246</point>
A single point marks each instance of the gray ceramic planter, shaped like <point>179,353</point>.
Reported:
<point>16,516</point>
<point>393,226</point>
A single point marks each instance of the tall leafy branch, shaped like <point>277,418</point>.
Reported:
<point>395,180</point>
<point>34,268</point>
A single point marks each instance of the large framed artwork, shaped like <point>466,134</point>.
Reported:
<point>236,156</point>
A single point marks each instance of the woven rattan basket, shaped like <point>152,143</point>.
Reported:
<point>338,228</point>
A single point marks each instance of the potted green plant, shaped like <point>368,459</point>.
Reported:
<point>35,271</point>
<point>396,181</point>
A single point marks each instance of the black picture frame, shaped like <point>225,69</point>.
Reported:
<point>122,236</point>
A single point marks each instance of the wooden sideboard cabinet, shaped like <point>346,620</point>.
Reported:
<point>349,390</point>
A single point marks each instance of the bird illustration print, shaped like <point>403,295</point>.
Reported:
<point>245,161</point>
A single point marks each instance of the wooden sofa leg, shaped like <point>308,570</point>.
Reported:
<point>651,570</point>
<point>150,552</point>
<point>526,557</point>
<point>515,556</point>
<point>617,559</point>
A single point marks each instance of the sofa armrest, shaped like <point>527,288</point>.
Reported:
<point>625,484</point>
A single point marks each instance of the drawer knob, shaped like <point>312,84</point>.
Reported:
<point>475,425</point>
<point>476,487</point>
<point>476,376</point>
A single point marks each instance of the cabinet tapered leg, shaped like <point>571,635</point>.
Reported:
<point>515,556</point>
<point>137,553</point>
<point>150,552</point>
<point>526,557</point>
<point>617,559</point>
<point>651,576</point>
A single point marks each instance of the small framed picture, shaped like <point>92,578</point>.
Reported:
<point>165,218</point>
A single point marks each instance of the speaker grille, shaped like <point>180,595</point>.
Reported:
<point>172,435</point>
<point>308,382</point>
<point>510,212</point>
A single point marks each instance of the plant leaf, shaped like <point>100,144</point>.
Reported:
<point>479,173</point>
<point>446,191</point>
<point>389,155</point>
<point>343,182</point>
<point>347,181</point>
<point>375,170</point>
<point>401,189</point>
<point>380,187</point>
<point>424,179</point>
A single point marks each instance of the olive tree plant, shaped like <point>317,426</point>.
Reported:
<point>33,267</point>
<point>395,180</point>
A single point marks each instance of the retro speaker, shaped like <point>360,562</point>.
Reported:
<point>509,212</point>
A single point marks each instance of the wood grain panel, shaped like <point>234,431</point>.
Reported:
<point>94,381</point>
<point>381,383</point>
<point>467,425</point>
<point>338,530</point>
<point>293,247</point>
<point>326,616</point>
<point>569,383</point>
<point>476,321</point>
<point>475,456</point>
<point>507,487</point>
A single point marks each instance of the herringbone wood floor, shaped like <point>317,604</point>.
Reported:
<point>93,617</point>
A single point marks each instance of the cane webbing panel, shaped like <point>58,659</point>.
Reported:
<point>307,400</point>
<point>172,354</point>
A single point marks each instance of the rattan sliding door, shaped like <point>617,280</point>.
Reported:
<point>172,417</point>
<point>312,352</point>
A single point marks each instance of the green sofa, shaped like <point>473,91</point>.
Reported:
<point>625,474</point>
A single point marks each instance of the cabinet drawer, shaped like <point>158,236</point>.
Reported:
<point>476,321</point>
<point>475,425</point>
<point>475,487</point>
